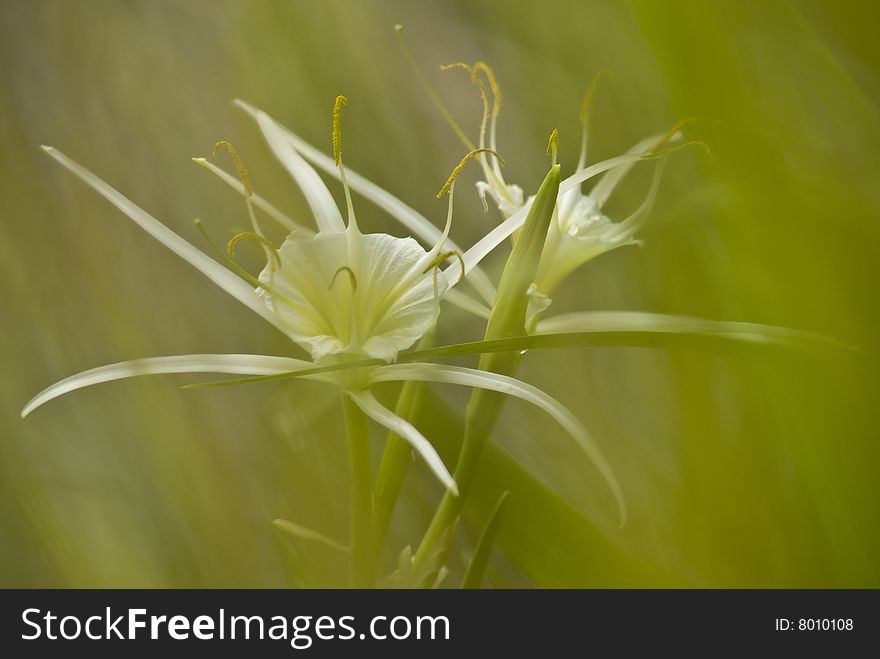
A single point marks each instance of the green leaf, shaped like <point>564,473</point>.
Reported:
<point>301,532</point>
<point>549,541</point>
<point>473,577</point>
<point>686,332</point>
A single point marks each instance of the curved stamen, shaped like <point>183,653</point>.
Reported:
<point>241,272</point>
<point>250,235</point>
<point>482,67</point>
<point>239,165</point>
<point>442,257</point>
<point>587,109</point>
<point>474,71</point>
<point>432,94</point>
<point>671,134</point>
<point>248,188</point>
<point>460,166</point>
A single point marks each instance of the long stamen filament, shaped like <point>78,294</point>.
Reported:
<point>493,173</point>
<point>587,110</point>
<point>460,166</point>
<point>241,272</point>
<point>341,102</point>
<point>432,94</point>
<point>482,67</point>
<point>261,240</point>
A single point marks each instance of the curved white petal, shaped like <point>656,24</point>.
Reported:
<point>603,189</point>
<point>259,201</point>
<point>639,321</point>
<point>233,364</point>
<point>503,231</point>
<point>317,195</point>
<point>470,377</point>
<point>337,298</point>
<point>406,215</point>
<point>385,417</point>
<point>467,303</point>
<point>217,273</point>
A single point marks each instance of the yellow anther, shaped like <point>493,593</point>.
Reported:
<point>457,65</point>
<point>493,84</point>
<point>587,103</point>
<point>442,257</point>
<point>352,279</point>
<point>670,134</point>
<point>340,103</point>
<point>460,166</point>
<point>239,165</point>
<point>257,238</point>
<point>553,145</point>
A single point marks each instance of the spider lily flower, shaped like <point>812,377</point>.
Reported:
<point>340,294</point>
<point>292,151</point>
<point>580,230</point>
<point>286,145</point>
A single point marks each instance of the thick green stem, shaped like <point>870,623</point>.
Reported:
<point>482,413</point>
<point>395,462</point>
<point>508,319</point>
<point>392,471</point>
<point>361,493</point>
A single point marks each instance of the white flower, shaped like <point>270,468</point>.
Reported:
<point>340,294</point>
<point>345,293</point>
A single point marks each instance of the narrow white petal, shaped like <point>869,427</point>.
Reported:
<point>232,364</point>
<point>467,303</point>
<point>603,189</point>
<point>503,231</point>
<point>628,227</point>
<point>385,417</point>
<point>406,215</point>
<point>259,201</point>
<point>318,197</point>
<point>639,321</point>
<point>470,377</point>
<point>218,274</point>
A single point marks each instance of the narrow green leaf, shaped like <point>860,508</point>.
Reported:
<point>473,577</point>
<point>301,532</point>
<point>431,572</point>
<point>545,537</point>
<point>703,334</point>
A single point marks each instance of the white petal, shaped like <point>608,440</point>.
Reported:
<point>503,231</point>
<point>385,417</point>
<point>603,189</point>
<point>407,216</point>
<point>218,274</point>
<point>232,364</point>
<point>467,303</point>
<point>259,201</point>
<point>368,313</point>
<point>470,377</point>
<point>323,206</point>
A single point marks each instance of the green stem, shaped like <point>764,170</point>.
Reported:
<point>392,471</point>
<point>483,410</point>
<point>508,319</point>
<point>361,493</point>
<point>394,464</point>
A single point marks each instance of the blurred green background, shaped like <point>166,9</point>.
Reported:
<point>742,468</point>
